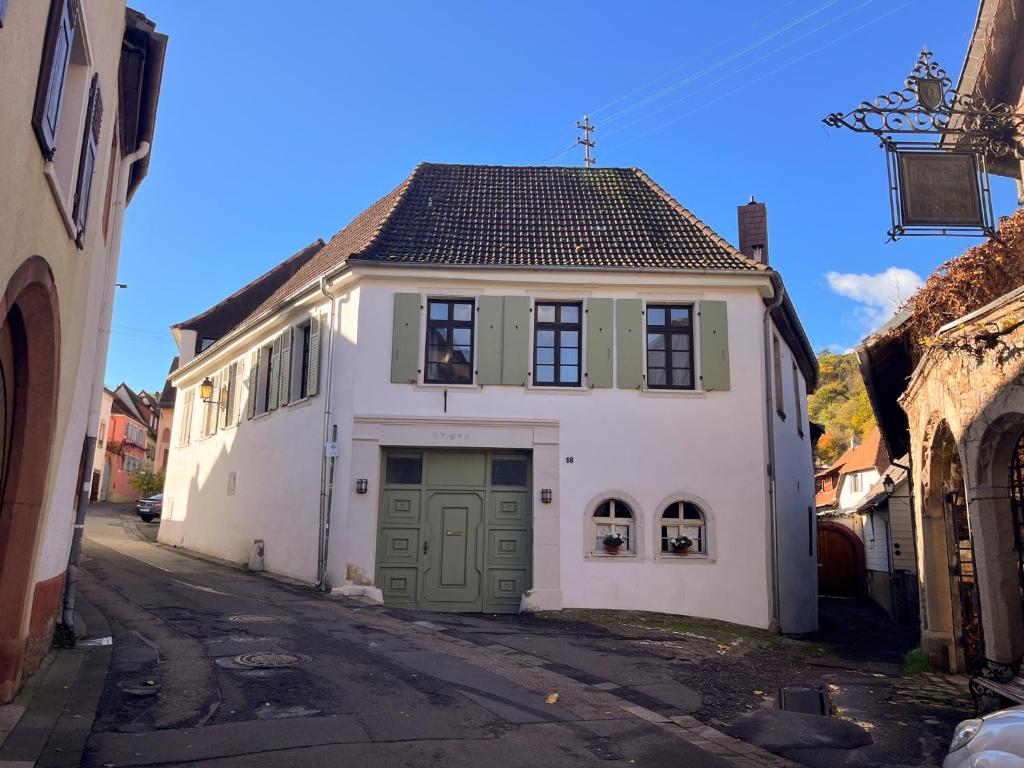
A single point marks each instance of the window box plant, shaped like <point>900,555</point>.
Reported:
<point>681,545</point>
<point>612,542</point>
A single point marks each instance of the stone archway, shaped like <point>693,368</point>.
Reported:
<point>841,567</point>
<point>30,355</point>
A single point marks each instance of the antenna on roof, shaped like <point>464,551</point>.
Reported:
<point>588,143</point>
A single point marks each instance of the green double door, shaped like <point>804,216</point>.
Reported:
<point>455,530</point>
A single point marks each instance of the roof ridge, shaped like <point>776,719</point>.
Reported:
<point>696,220</point>
<point>250,284</point>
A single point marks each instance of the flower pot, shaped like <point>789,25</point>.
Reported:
<point>611,550</point>
<point>682,551</point>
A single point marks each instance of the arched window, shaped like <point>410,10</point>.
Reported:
<point>167,435</point>
<point>683,519</point>
<point>613,516</point>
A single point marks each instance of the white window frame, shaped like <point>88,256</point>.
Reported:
<point>597,528</point>
<point>669,527</point>
<point>295,378</point>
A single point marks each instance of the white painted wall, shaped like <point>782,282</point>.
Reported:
<point>850,498</point>
<point>876,542</point>
<point>647,447</point>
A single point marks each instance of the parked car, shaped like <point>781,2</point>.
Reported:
<point>995,741</point>
<point>151,508</point>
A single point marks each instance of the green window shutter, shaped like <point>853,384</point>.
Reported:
<point>600,313</point>
<point>254,373</point>
<point>313,370</point>
<point>286,366</point>
<point>714,346</point>
<point>275,374</point>
<point>405,339</point>
<point>515,351</point>
<point>629,326</point>
<point>490,315</point>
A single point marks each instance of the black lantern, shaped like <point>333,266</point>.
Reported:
<point>545,495</point>
<point>362,485</point>
<point>889,485</point>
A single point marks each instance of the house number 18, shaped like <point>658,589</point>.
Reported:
<point>569,459</point>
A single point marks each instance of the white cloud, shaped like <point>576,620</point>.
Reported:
<point>878,295</point>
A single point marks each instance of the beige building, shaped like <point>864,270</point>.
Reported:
<point>945,379</point>
<point>79,95</point>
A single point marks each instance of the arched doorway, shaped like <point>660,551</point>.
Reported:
<point>840,561</point>
<point>29,357</point>
<point>1017,508</point>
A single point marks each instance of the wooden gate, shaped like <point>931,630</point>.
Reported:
<point>840,561</point>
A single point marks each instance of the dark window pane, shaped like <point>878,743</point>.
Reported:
<point>435,371</point>
<point>437,336</point>
<point>671,512</point>
<point>680,316</point>
<point>656,359</point>
<point>691,511</point>
<point>681,342</point>
<point>438,310</point>
<point>406,470</point>
<point>570,339</point>
<point>462,336</point>
<point>462,312</point>
<point>545,313</point>
<point>545,355</point>
<point>569,356</point>
<point>546,374</point>
<point>622,510</point>
<point>459,374</point>
<point>460,355</point>
<point>656,377</point>
<point>437,354</point>
<point>604,510</point>
<point>569,374</point>
<point>545,338</point>
<point>655,316</point>
<point>680,378</point>
<point>508,471</point>
<point>655,341</point>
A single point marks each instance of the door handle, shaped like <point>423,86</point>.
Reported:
<point>426,546</point>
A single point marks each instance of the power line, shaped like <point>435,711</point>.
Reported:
<point>720,63</point>
<point>746,66</point>
<point>559,153</point>
<point>677,67</point>
<point>766,75</point>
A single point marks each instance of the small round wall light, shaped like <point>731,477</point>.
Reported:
<point>362,485</point>
<point>545,495</point>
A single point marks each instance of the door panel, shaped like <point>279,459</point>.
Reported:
<point>837,565</point>
<point>508,553</point>
<point>451,578</point>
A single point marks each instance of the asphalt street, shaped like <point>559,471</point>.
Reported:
<point>213,666</point>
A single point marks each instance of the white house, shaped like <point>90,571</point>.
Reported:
<point>453,403</point>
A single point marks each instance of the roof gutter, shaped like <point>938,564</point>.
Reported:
<point>773,511</point>
<point>327,462</point>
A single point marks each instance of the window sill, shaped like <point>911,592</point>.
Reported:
<point>58,196</point>
<point>301,402</point>
<point>632,557</point>
<point>542,388</point>
<point>463,387</point>
<point>262,415</point>
<point>658,392</point>
<point>665,557</point>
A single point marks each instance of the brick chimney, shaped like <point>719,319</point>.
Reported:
<point>753,230</point>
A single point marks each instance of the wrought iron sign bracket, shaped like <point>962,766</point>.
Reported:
<point>938,177</point>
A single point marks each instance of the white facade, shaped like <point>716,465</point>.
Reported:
<point>261,479</point>
<point>854,487</point>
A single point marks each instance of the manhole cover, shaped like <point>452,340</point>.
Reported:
<point>269,660</point>
<point>138,687</point>
<point>604,750</point>
<point>250,618</point>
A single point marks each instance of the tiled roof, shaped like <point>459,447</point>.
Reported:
<point>512,216</point>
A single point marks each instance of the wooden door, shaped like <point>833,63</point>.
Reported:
<point>837,564</point>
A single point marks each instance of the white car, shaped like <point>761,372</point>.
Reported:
<point>993,741</point>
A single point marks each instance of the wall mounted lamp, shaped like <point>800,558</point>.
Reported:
<point>889,485</point>
<point>362,485</point>
<point>545,495</point>
<point>206,391</point>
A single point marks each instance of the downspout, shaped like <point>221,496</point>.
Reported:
<point>98,372</point>
<point>326,463</point>
<point>773,517</point>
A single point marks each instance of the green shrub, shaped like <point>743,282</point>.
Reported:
<point>916,662</point>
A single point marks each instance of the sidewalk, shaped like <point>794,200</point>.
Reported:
<point>49,722</point>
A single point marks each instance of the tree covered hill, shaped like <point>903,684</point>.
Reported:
<point>840,404</point>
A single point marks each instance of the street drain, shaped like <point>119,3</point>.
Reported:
<point>138,688</point>
<point>271,660</point>
<point>604,750</point>
<point>250,618</point>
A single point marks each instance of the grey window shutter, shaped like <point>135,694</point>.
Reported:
<point>515,351</point>
<point>490,311</point>
<point>714,346</point>
<point>254,378</point>
<point>53,73</point>
<point>313,369</point>
<point>405,339</point>
<point>275,374</point>
<point>629,326</point>
<point>215,406</point>
<point>600,319</point>
<point>286,366</point>
<point>231,394</point>
<point>87,163</point>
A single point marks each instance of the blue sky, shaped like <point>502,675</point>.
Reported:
<point>277,126</point>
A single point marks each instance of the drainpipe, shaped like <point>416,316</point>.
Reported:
<point>98,372</point>
<point>773,517</point>
<point>326,463</point>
